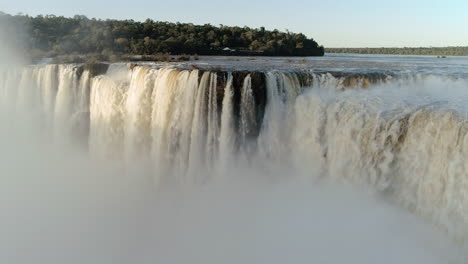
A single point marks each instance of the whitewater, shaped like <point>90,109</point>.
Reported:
<point>345,159</point>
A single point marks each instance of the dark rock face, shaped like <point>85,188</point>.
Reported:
<point>96,69</point>
<point>259,94</point>
<point>365,80</point>
<point>132,66</point>
<point>305,78</point>
<point>259,91</point>
<point>352,80</point>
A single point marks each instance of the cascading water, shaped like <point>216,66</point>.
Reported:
<point>247,110</point>
<point>137,106</point>
<point>107,117</point>
<point>388,135</point>
<point>227,135</point>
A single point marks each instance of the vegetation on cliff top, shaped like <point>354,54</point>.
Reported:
<point>56,35</point>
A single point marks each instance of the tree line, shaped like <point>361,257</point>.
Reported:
<point>429,51</point>
<point>57,35</point>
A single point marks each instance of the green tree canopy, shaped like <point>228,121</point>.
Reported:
<point>58,35</point>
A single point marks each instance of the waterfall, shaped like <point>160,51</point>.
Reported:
<point>227,134</point>
<point>65,100</point>
<point>165,118</point>
<point>48,83</point>
<point>137,122</point>
<point>247,111</point>
<point>107,101</point>
<point>183,122</point>
<point>199,126</point>
<point>281,94</point>
<point>396,136</point>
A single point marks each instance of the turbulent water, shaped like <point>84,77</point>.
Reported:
<point>399,136</point>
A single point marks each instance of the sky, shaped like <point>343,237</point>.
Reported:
<point>332,23</point>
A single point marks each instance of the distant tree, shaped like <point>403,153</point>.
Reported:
<point>430,51</point>
<point>56,35</point>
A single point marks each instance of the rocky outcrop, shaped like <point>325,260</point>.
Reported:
<point>96,69</point>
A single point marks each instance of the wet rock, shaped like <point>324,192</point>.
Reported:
<point>96,69</point>
<point>132,66</point>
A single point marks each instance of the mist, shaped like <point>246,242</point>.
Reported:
<point>58,204</point>
<point>12,50</point>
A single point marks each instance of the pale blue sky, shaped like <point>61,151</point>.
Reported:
<point>333,23</point>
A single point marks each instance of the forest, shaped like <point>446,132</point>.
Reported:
<point>51,36</point>
<point>429,51</point>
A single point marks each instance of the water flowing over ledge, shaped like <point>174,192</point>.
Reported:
<point>399,135</point>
